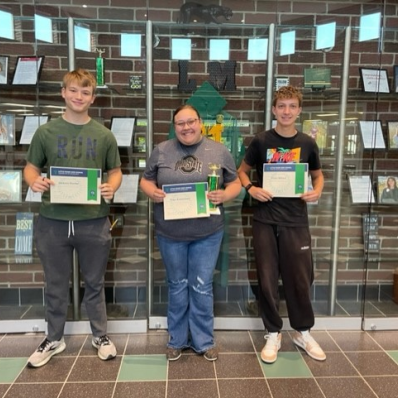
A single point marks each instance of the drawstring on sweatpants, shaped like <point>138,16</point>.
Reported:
<point>71,229</point>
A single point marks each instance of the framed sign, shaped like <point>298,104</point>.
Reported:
<point>318,130</point>
<point>361,189</point>
<point>3,69</point>
<point>123,128</point>
<point>392,134</point>
<point>28,70</point>
<point>10,186</point>
<point>387,190</point>
<point>374,80</point>
<point>29,127</point>
<point>372,134</point>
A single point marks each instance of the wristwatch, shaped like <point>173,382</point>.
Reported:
<point>248,186</point>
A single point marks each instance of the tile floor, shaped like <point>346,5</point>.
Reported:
<point>359,364</point>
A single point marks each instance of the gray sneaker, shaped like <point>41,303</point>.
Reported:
<point>106,349</point>
<point>45,351</point>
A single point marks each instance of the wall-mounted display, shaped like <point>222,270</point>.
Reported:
<point>28,70</point>
<point>392,131</point>
<point>10,186</point>
<point>374,80</point>
<point>7,130</point>
<point>317,78</point>
<point>29,127</point>
<point>372,134</point>
<point>123,128</point>
<point>361,189</point>
<point>387,189</point>
<point>3,69</point>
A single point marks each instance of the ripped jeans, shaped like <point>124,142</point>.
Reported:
<point>189,267</point>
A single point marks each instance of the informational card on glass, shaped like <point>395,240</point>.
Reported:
<point>361,189</point>
<point>75,185</point>
<point>28,70</point>
<point>392,129</point>
<point>29,127</point>
<point>372,134</point>
<point>183,201</point>
<point>123,128</point>
<point>3,69</point>
<point>285,180</point>
<point>128,190</point>
<point>374,80</point>
<point>7,129</point>
<point>10,186</point>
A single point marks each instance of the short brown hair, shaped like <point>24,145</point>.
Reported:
<point>288,92</point>
<point>82,77</point>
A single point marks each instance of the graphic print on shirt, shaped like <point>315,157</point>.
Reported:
<point>189,164</point>
<point>73,149</point>
<point>282,155</point>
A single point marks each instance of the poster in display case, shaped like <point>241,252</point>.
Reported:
<point>318,130</point>
<point>3,69</point>
<point>392,134</point>
<point>29,127</point>
<point>28,70</point>
<point>372,134</point>
<point>374,80</point>
<point>10,186</point>
<point>7,129</point>
<point>387,190</point>
<point>123,128</point>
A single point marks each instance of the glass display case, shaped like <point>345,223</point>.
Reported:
<point>229,72</point>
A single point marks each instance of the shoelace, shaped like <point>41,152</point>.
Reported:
<point>103,340</point>
<point>43,346</point>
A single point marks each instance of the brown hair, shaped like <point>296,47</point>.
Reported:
<point>288,92</point>
<point>186,106</point>
<point>82,77</point>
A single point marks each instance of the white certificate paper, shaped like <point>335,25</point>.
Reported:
<point>361,189</point>
<point>285,180</point>
<point>128,190</point>
<point>123,128</point>
<point>184,201</point>
<point>75,185</point>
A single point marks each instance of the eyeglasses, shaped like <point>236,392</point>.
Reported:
<point>189,123</point>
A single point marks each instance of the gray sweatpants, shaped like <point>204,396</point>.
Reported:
<point>55,241</point>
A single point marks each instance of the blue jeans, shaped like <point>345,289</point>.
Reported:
<point>189,267</point>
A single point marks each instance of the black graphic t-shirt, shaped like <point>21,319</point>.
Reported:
<point>269,147</point>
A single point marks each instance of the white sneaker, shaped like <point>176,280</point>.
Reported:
<point>305,341</point>
<point>106,349</point>
<point>45,351</point>
<point>270,351</point>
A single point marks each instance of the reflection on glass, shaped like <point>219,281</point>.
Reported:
<point>6,25</point>
<point>43,29</point>
<point>257,50</point>
<point>181,49</point>
<point>369,27</point>
<point>82,38</point>
<point>219,49</point>
<point>130,44</point>
<point>325,36</point>
<point>288,43</point>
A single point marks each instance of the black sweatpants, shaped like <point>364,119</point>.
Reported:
<point>284,252</point>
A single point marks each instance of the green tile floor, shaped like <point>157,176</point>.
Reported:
<point>359,364</point>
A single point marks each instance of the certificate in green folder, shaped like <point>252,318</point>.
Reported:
<point>184,201</point>
<point>75,185</point>
<point>285,180</point>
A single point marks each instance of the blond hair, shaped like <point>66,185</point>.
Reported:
<point>82,77</point>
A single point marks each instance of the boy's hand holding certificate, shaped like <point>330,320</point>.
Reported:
<point>285,180</point>
<point>75,185</point>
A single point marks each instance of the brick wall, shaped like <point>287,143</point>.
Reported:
<point>107,18</point>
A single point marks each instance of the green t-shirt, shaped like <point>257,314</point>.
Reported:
<point>59,143</point>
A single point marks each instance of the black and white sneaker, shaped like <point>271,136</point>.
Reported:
<point>45,351</point>
<point>106,349</point>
